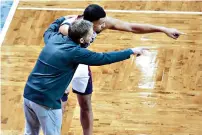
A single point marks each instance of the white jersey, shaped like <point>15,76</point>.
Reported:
<point>81,76</point>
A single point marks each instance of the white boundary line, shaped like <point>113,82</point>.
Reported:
<point>109,0</point>
<point>8,21</point>
<point>114,11</point>
<point>3,33</point>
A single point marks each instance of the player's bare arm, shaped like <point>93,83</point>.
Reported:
<point>116,24</point>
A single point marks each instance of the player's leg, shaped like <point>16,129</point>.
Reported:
<point>86,113</point>
<point>82,86</point>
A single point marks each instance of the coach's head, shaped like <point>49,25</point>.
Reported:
<point>81,32</point>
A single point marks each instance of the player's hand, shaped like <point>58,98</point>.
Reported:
<point>64,104</point>
<point>173,33</point>
<point>139,51</point>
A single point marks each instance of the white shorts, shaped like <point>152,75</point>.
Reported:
<point>82,80</point>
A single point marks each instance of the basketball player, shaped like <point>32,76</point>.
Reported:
<point>82,80</point>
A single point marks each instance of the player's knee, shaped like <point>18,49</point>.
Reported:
<point>86,106</point>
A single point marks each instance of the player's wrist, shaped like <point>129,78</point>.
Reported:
<point>65,97</point>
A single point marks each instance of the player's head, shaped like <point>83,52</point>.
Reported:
<point>81,32</point>
<point>95,14</point>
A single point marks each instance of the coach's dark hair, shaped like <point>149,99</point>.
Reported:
<point>79,29</point>
<point>93,13</point>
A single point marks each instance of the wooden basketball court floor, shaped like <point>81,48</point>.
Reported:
<point>156,94</point>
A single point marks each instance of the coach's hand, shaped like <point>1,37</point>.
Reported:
<point>139,51</point>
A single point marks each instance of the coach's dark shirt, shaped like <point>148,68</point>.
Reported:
<point>57,64</point>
